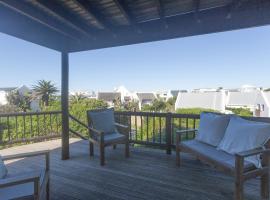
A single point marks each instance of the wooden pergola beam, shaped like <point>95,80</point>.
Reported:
<point>17,25</point>
<point>96,15</point>
<point>160,7</point>
<point>197,5</point>
<point>124,10</point>
<point>24,9</point>
<point>86,7</point>
<point>123,7</point>
<point>233,6</point>
<point>214,20</point>
<point>57,11</point>
<point>248,14</point>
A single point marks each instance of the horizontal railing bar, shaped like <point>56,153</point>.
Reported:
<point>127,113</point>
<point>157,114</point>
<point>148,143</point>
<point>33,139</point>
<point>78,121</point>
<point>190,116</point>
<point>78,134</point>
<point>29,113</point>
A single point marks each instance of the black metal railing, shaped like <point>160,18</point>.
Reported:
<point>81,132</point>
<point>30,126</point>
<point>146,128</point>
<point>156,129</point>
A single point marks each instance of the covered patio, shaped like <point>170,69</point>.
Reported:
<point>71,26</point>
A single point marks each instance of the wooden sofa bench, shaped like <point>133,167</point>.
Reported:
<point>33,184</point>
<point>234,165</point>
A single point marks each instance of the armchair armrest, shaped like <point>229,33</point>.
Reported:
<point>99,133</point>
<point>253,152</point>
<point>180,132</point>
<point>124,129</point>
<point>20,179</point>
<point>95,131</point>
<point>25,155</point>
<point>30,154</point>
<point>121,125</point>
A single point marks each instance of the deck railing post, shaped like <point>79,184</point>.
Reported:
<point>64,105</point>
<point>169,133</point>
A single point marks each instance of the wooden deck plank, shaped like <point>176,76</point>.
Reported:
<point>147,174</point>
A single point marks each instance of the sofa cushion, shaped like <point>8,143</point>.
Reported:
<point>3,169</point>
<point>212,128</point>
<point>225,159</point>
<point>103,120</point>
<point>243,135</point>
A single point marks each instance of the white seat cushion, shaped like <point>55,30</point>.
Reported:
<point>212,128</point>
<point>243,135</point>
<point>25,190</point>
<point>221,157</point>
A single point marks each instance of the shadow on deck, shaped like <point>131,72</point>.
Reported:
<point>147,174</point>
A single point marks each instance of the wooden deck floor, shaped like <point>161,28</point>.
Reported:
<point>148,174</point>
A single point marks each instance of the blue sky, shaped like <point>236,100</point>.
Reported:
<point>228,59</point>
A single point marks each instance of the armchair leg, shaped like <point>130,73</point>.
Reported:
<point>36,190</point>
<point>239,183</point>
<point>239,190</point>
<point>127,149</point>
<point>265,186</point>
<point>102,155</point>
<point>91,148</point>
<point>48,190</point>
<point>177,151</point>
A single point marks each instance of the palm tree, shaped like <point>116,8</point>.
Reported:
<point>45,89</point>
<point>77,97</point>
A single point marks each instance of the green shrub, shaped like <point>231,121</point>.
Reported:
<point>195,111</point>
<point>241,111</point>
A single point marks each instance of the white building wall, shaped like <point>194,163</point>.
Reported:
<point>207,100</point>
<point>3,98</point>
<point>266,101</point>
<point>34,105</point>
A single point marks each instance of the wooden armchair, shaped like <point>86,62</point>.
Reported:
<point>29,185</point>
<point>104,132</point>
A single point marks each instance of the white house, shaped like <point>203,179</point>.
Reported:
<point>86,94</point>
<point>166,95</point>
<point>243,99</point>
<point>145,98</point>
<point>163,95</point>
<point>109,97</point>
<point>249,97</point>
<point>22,90</point>
<point>265,108</point>
<point>126,95</point>
<point>208,100</point>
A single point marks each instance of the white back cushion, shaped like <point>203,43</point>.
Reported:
<point>243,135</point>
<point>3,169</point>
<point>212,128</point>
